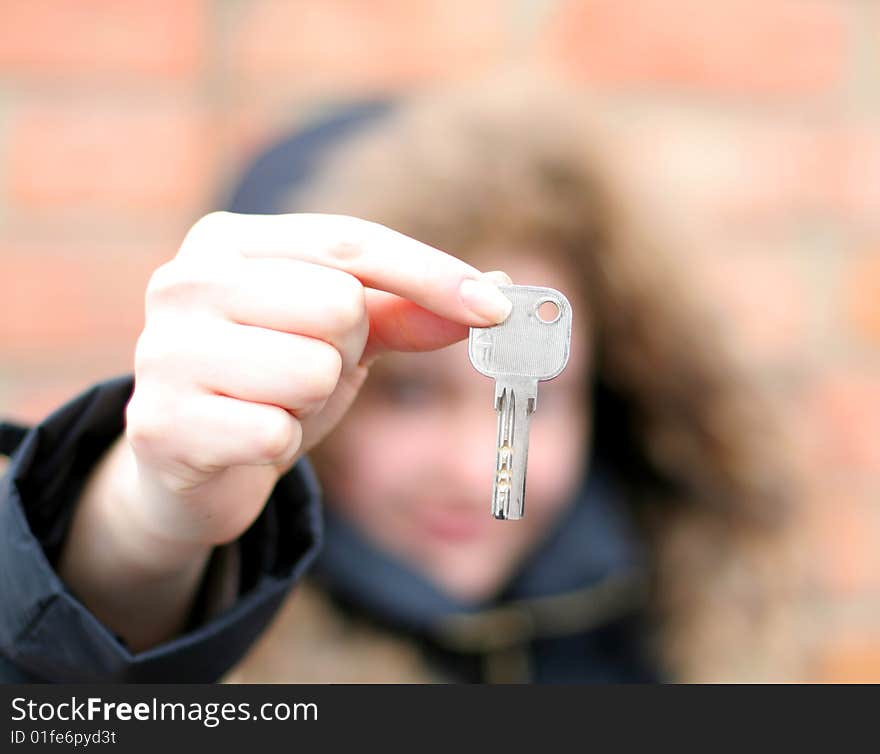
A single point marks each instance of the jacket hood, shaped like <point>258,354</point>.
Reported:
<point>589,571</point>
<point>590,568</point>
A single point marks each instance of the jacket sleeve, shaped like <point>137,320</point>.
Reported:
<point>46,634</point>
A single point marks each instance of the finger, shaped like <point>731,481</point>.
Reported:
<point>397,324</point>
<point>294,372</point>
<point>302,298</point>
<point>213,432</point>
<point>325,303</point>
<point>379,257</point>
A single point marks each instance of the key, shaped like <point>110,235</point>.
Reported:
<point>525,349</point>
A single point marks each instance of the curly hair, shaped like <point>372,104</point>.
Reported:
<point>676,411</point>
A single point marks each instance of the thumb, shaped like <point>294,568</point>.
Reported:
<point>397,324</point>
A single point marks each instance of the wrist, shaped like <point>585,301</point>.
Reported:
<point>115,508</point>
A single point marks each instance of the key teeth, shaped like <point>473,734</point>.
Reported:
<point>499,396</point>
<point>507,517</point>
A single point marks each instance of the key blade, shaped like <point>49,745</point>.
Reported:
<point>514,403</point>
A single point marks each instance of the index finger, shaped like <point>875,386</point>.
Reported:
<point>378,256</point>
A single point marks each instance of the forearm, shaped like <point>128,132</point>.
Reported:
<point>140,586</point>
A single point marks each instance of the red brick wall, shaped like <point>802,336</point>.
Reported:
<point>755,123</point>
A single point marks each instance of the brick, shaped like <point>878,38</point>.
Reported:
<point>721,171</point>
<point>758,291</point>
<point>106,155</point>
<point>862,297</point>
<point>777,47</point>
<point>735,169</point>
<point>853,658</point>
<point>842,534</point>
<point>853,172</point>
<point>162,38</point>
<point>841,414</point>
<point>61,303</point>
<point>341,44</point>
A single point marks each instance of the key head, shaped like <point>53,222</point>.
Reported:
<point>524,345</point>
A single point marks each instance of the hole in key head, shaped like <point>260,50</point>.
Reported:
<point>548,311</point>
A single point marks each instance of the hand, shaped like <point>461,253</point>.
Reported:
<point>258,336</point>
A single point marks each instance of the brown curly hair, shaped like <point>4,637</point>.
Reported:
<point>524,165</point>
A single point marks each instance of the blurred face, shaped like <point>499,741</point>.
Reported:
<point>413,462</point>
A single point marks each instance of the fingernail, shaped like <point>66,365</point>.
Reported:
<point>485,300</point>
<point>499,277</point>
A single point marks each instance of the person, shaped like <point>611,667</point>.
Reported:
<point>166,525</point>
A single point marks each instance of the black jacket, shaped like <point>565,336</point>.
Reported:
<point>46,634</point>
<point>589,566</point>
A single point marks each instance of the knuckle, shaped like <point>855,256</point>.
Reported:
<point>170,284</point>
<point>347,307</point>
<point>329,362</point>
<point>353,233</point>
<point>148,425</point>
<point>210,225</point>
<point>274,438</point>
<point>145,356</point>
<point>211,233</point>
<point>156,352</point>
<point>164,277</point>
<point>177,284</point>
<point>345,250</point>
<point>318,383</point>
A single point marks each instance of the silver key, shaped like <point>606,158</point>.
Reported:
<point>520,352</point>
